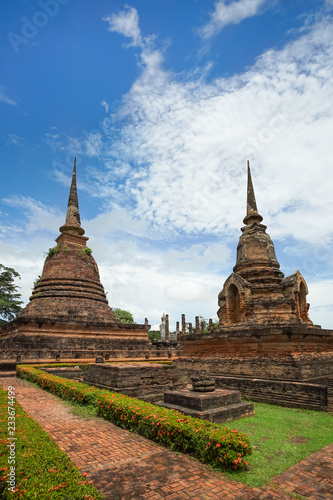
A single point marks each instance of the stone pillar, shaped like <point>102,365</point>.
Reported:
<point>146,322</point>
<point>177,328</point>
<point>183,324</point>
<point>197,325</point>
<point>210,326</point>
<point>202,327</point>
<point>167,327</point>
<point>190,327</point>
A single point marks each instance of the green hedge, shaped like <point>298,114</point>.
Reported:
<point>42,470</point>
<point>211,443</point>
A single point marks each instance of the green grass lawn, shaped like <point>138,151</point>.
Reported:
<point>281,437</point>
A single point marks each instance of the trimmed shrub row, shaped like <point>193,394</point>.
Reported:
<point>211,443</point>
<point>34,467</point>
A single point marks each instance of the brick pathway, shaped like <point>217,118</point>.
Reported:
<point>126,466</point>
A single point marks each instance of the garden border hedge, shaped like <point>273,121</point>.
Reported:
<point>210,443</point>
<point>36,464</point>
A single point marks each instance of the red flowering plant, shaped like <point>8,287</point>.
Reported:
<point>77,392</point>
<point>209,442</point>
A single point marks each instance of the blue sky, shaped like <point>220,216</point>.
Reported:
<point>162,102</point>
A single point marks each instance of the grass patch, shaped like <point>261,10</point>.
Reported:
<point>281,437</point>
<point>88,411</point>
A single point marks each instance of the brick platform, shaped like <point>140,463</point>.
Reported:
<point>126,466</point>
<point>217,406</point>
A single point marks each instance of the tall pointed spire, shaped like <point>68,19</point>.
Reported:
<point>252,214</point>
<point>73,221</point>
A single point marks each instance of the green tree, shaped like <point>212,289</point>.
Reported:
<point>154,333</point>
<point>10,303</point>
<point>123,316</point>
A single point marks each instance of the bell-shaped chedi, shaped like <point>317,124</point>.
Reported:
<point>257,292</point>
<point>70,288</point>
<point>68,314</point>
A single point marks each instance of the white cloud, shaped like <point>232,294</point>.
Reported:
<point>93,144</point>
<point>39,217</point>
<point>105,106</point>
<point>148,281</point>
<point>4,98</point>
<point>190,141</point>
<point>230,13</point>
<point>126,23</point>
<point>115,221</point>
<point>321,303</point>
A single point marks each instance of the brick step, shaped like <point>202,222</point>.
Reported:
<point>216,415</point>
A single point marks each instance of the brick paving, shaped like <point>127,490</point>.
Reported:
<point>126,466</point>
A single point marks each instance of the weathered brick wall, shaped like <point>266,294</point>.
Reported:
<point>292,367</point>
<point>294,394</point>
<point>270,342</point>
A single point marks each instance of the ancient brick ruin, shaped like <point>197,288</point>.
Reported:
<point>264,330</point>
<point>265,344</point>
<point>257,292</point>
<point>68,315</point>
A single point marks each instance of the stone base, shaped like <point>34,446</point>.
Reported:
<point>147,381</point>
<point>29,343</point>
<point>218,406</point>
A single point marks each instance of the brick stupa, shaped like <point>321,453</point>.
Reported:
<point>264,329</point>
<point>68,314</point>
<point>257,292</point>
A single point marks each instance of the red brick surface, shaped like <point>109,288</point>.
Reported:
<point>126,466</point>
